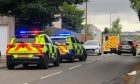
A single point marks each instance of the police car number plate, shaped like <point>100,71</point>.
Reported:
<point>22,56</point>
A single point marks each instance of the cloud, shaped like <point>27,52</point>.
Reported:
<point>99,14</point>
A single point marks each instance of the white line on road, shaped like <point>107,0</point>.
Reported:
<point>94,60</point>
<point>26,83</point>
<point>51,75</point>
<point>75,67</point>
<point>90,61</point>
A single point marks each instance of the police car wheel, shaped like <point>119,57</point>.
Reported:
<point>84,57</point>
<point>25,65</point>
<point>10,66</point>
<point>45,62</point>
<point>119,53</point>
<point>72,59</point>
<point>57,61</point>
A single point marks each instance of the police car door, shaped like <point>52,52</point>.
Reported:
<point>79,47</point>
<point>51,48</point>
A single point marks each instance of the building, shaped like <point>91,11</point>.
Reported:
<point>7,31</point>
<point>94,31</point>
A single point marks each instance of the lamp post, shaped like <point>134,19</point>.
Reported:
<point>110,20</point>
<point>86,24</point>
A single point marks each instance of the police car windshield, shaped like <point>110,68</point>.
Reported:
<point>62,40</point>
<point>91,43</point>
<point>24,40</point>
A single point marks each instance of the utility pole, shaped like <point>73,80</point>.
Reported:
<point>110,20</point>
<point>86,24</point>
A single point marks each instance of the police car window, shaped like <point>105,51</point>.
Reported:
<point>72,39</point>
<point>77,41</point>
<point>24,40</point>
<point>46,40</point>
<point>63,40</point>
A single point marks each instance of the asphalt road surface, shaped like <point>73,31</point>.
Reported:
<point>96,70</point>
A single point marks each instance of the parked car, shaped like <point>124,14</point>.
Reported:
<point>93,46</point>
<point>70,48</point>
<point>127,47</point>
<point>32,49</point>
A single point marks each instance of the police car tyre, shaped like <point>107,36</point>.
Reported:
<point>25,65</point>
<point>9,64</point>
<point>45,62</point>
<point>72,59</point>
<point>119,53</point>
<point>57,61</point>
<point>84,57</point>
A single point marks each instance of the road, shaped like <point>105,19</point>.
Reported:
<point>96,70</point>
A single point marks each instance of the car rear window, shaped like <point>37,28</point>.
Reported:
<point>24,40</point>
<point>127,43</point>
<point>91,43</point>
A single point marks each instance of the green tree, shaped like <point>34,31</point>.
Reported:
<point>135,4</point>
<point>116,27</point>
<point>106,30</point>
<point>34,12</point>
<point>72,17</point>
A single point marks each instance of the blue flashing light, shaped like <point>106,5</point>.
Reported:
<point>23,32</point>
<point>65,34</point>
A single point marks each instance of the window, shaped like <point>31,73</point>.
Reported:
<point>24,40</point>
<point>127,43</point>
<point>73,40</point>
<point>46,40</point>
<point>77,41</point>
<point>106,38</point>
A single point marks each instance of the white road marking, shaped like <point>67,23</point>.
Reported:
<point>26,83</point>
<point>90,61</point>
<point>94,60</point>
<point>51,75</point>
<point>75,67</point>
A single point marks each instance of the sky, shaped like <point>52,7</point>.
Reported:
<point>99,14</point>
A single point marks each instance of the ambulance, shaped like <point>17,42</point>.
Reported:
<point>110,43</point>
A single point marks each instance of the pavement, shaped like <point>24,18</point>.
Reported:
<point>96,70</point>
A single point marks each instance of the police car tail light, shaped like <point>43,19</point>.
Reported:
<point>10,45</point>
<point>38,45</point>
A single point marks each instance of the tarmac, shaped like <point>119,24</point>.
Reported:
<point>3,61</point>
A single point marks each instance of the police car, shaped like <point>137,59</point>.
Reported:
<point>70,48</point>
<point>33,48</point>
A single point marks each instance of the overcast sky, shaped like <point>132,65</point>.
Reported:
<point>99,14</point>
